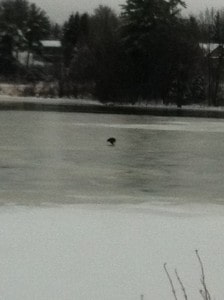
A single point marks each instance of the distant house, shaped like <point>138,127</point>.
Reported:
<point>214,50</point>
<point>50,50</point>
<point>45,52</point>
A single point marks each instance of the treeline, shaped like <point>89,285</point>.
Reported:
<point>149,52</point>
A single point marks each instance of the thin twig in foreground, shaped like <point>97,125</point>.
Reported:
<point>181,284</point>
<point>170,281</point>
<point>205,293</point>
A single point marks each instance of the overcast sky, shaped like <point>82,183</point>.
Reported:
<point>59,10</point>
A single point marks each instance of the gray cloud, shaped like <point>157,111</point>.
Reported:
<point>60,10</point>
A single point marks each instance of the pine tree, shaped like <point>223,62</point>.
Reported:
<point>71,30</point>
<point>37,28</point>
<point>24,24</point>
<point>158,45</point>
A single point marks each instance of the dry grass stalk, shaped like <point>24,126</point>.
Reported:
<point>204,293</point>
<point>170,281</point>
<point>181,285</point>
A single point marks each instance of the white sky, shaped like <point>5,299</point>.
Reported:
<point>59,10</point>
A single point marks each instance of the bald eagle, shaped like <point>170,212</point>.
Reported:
<point>111,140</point>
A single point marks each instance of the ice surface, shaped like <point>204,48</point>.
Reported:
<point>58,157</point>
<point>83,220</point>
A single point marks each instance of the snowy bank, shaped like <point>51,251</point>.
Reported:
<point>107,252</point>
<point>93,106</point>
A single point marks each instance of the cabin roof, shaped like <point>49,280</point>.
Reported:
<point>209,47</point>
<point>51,43</point>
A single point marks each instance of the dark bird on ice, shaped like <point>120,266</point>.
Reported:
<point>112,141</point>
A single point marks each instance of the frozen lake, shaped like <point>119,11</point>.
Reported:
<point>83,220</point>
<point>64,158</point>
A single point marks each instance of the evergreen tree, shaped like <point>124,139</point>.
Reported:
<point>37,28</point>
<point>211,25</point>
<point>75,35</point>
<point>90,47</point>
<point>84,29</point>
<point>160,48</point>
<point>25,23</point>
<point>55,31</point>
<point>104,44</point>
<point>14,12</point>
<point>70,37</point>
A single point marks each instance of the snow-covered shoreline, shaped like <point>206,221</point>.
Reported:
<point>93,106</point>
